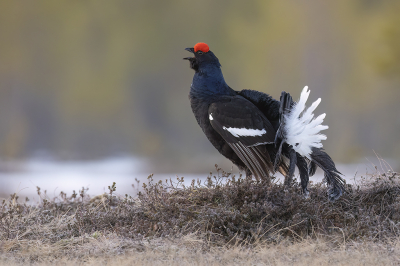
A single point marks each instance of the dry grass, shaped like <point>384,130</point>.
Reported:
<point>189,250</point>
<point>227,220</point>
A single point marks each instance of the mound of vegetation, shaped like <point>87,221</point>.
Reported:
<point>223,210</point>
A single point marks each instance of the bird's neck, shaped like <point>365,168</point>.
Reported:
<point>209,81</point>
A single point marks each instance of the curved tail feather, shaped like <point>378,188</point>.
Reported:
<point>332,175</point>
<point>300,132</point>
<point>280,137</point>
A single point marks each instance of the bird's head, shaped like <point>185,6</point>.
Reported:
<point>202,58</point>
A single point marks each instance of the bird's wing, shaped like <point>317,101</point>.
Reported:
<point>267,105</point>
<point>246,130</point>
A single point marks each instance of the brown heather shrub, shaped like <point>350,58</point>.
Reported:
<point>225,210</point>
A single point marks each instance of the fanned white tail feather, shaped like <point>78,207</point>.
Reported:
<point>302,131</point>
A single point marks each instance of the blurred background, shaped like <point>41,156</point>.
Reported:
<point>98,89</point>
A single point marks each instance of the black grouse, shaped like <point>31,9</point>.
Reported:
<point>257,133</point>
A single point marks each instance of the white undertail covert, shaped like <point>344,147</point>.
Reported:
<point>302,130</point>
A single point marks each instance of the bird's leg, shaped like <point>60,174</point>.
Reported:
<point>292,167</point>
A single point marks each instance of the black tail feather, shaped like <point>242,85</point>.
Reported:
<point>332,175</point>
<point>278,156</point>
<point>304,173</point>
<point>286,104</point>
<point>292,167</point>
<point>312,169</point>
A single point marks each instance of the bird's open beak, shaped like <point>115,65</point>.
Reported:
<point>189,50</point>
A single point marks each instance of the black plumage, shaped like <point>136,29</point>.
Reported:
<point>253,130</point>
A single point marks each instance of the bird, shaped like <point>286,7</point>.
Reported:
<point>258,133</point>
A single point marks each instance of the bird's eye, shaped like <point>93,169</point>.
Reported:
<point>199,52</point>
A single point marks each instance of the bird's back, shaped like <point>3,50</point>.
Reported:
<point>265,103</point>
